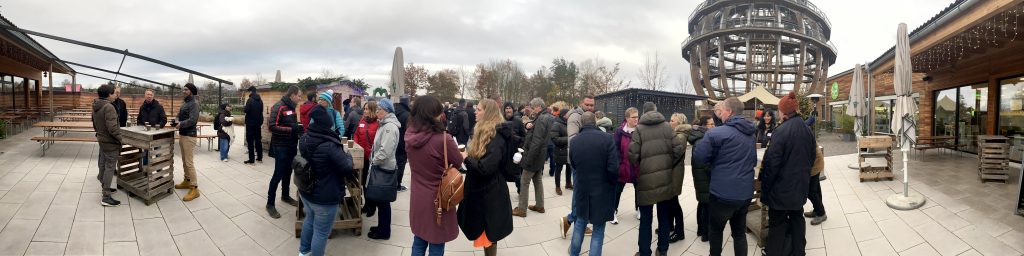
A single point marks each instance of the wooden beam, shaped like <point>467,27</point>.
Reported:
<point>705,70</point>
<point>800,73</point>
<point>695,73</point>
<point>721,66</point>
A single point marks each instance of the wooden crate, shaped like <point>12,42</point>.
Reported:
<point>875,142</point>
<point>154,179</point>
<point>993,158</point>
<point>882,148</point>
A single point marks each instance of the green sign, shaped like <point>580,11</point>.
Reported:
<point>835,90</point>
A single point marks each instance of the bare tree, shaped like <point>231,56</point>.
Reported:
<point>326,73</point>
<point>653,72</point>
<point>595,78</point>
<point>259,80</point>
<point>466,82</point>
<point>684,85</point>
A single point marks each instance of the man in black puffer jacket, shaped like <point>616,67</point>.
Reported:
<point>283,123</point>
<point>785,174</point>
<point>253,121</point>
<point>151,112</point>
<point>330,165</point>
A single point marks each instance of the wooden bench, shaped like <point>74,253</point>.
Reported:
<point>209,140</point>
<point>45,142</point>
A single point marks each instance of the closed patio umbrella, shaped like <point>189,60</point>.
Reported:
<point>903,123</point>
<point>858,107</point>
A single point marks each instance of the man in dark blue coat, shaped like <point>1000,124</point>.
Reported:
<point>596,161</point>
<point>729,150</point>
<point>785,174</point>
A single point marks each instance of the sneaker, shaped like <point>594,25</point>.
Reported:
<point>637,215</point>
<point>615,218</point>
<point>288,200</point>
<point>818,220</point>
<point>810,214</point>
<point>111,190</point>
<point>403,188</point>
<point>273,212</point>
<point>676,237</point>
<point>249,162</point>
<point>564,225</point>
<point>224,160</point>
<point>109,201</point>
<point>588,232</point>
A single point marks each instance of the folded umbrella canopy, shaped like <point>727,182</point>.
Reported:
<point>903,123</point>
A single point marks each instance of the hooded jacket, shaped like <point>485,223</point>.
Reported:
<point>605,124</point>
<point>402,112</point>
<point>679,154</point>
<point>386,143</point>
<point>426,162</point>
<point>560,137</point>
<point>104,121</point>
<point>253,111</point>
<point>188,117</point>
<point>698,171</point>
<point>331,164</point>
<point>651,149</point>
<point>729,151</point>
<point>151,113</point>
<point>486,206</point>
<point>786,168</point>
<point>283,123</point>
<point>537,142</point>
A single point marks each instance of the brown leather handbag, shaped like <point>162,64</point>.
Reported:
<point>450,191</point>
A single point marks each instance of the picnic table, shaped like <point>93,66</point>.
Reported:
<point>52,129</point>
<point>924,143</point>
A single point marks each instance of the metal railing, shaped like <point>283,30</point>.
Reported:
<point>806,4</point>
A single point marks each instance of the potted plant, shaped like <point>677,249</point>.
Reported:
<point>845,123</point>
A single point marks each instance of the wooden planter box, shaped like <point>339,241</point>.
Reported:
<point>993,158</point>
<point>875,147</point>
<point>154,179</point>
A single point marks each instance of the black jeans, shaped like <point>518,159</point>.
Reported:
<point>814,194</point>
<point>782,223</point>
<point>558,174</point>
<point>618,194</point>
<point>677,215</point>
<point>722,211</point>
<point>664,225</point>
<point>254,142</point>
<point>702,219</point>
<point>282,173</point>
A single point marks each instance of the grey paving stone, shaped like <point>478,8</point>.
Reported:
<point>86,239</point>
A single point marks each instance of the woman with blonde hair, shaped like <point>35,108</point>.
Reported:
<point>485,215</point>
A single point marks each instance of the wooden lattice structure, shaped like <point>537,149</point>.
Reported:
<point>148,176</point>
<point>734,45</point>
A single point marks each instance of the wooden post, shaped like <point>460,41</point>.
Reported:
<point>51,92</point>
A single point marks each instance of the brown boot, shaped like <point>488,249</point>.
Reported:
<point>183,185</point>
<point>558,190</point>
<point>536,209</point>
<point>519,212</point>
<point>568,186</point>
<point>192,194</point>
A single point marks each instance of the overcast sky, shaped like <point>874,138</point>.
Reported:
<point>232,39</point>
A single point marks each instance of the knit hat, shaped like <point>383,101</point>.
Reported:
<point>404,100</point>
<point>192,88</point>
<point>252,88</point>
<point>322,122</point>
<point>788,104</point>
<point>327,95</point>
<point>385,104</point>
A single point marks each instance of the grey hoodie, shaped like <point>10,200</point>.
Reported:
<point>385,143</point>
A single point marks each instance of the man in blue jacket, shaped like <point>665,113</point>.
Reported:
<point>729,150</point>
<point>595,158</point>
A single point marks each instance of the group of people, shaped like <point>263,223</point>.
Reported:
<point>497,143</point>
<point>110,115</point>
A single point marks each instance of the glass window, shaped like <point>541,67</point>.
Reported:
<point>883,115</point>
<point>945,113</point>
<point>973,101</point>
<point>1011,113</point>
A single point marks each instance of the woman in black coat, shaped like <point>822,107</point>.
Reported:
<point>485,214</point>
<point>330,165</point>
<point>560,137</point>
<point>701,178</point>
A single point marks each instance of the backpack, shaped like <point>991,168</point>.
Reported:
<point>450,191</point>
<point>303,176</point>
<point>455,123</point>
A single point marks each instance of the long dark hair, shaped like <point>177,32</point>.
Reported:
<point>424,111</point>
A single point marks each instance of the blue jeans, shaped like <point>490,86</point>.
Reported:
<point>283,158</point>
<point>224,145</point>
<point>316,227</point>
<point>572,210</point>
<point>420,247</point>
<point>596,239</point>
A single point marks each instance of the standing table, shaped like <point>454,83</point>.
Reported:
<point>349,216</point>
<point>147,176</point>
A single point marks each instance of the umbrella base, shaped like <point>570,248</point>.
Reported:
<point>905,203</point>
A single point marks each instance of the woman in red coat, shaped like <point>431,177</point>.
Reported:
<point>425,142</point>
<point>364,134</point>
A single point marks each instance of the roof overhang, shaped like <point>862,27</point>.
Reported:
<point>35,49</point>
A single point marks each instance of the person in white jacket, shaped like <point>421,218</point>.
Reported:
<point>382,156</point>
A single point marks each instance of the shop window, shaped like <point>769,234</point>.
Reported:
<point>1011,113</point>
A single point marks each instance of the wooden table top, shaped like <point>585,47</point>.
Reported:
<point>64,124</point>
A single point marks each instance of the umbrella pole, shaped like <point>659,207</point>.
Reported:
<point>906,201</point>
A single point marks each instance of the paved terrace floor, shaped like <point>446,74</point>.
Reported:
<point>50,206</point>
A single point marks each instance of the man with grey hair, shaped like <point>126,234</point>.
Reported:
<point>535,146</point>
<point>650,149</point>
<point>729,150</point>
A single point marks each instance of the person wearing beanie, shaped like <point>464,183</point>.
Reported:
<point>253,122</point>
<point>382,159</point>
<point>311,98</point>
<point>188,118</point>
<point>785,175</point>
<point>108,135</point>
<point>331,164</point>
<point>325,100</point>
